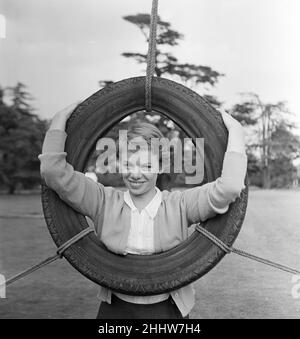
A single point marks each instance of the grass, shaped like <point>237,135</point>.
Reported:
<point>235,288</point>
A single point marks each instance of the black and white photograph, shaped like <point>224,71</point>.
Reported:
<point>149,162</point>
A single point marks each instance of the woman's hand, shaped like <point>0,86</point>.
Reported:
<point>229,121</point>
<point>60,118</point>
<point>236,135</point>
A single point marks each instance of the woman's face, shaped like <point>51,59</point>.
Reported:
<point>139,171</point>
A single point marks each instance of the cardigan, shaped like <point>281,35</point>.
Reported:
<point>111,215</point>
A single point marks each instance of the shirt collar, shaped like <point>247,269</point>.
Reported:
<point>152,206</point>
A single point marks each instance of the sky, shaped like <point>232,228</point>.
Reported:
<point>61,48</point>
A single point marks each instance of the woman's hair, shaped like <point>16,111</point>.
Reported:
<point>143,129</point>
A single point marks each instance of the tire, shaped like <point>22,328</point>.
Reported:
<point>183,264</point>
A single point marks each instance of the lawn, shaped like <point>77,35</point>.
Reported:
<point>235,288</point>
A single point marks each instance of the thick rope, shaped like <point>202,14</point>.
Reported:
<point>151,56</point>
<point>228,249</point>
<point>58,255</point>
<point>200,229</point>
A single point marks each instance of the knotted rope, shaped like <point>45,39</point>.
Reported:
<point>228,249</point>
<point>151,56</point>
<point>58,255</point>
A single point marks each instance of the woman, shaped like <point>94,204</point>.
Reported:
<point>143,219</point>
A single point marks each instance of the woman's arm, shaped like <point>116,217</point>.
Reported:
<point>236,140</point>
<point>60,118</point>
<point>213,198</point>
<point>77,190</point>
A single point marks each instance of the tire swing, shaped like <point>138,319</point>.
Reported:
<point>191,259</point>
<point>160,272</point>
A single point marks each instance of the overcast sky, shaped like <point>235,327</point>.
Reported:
<point>61,48</point>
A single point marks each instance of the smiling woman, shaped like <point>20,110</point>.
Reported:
<point>140,171</point>
<point>171,259</point>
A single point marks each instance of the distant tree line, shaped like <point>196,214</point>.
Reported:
<point>21,137</point>
<point>272,144</point>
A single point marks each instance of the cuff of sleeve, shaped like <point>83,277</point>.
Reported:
<point>218,210</point>
<point>234,165</point>
<point>54,141</point>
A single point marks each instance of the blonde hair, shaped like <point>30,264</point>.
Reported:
<point>145,130</point>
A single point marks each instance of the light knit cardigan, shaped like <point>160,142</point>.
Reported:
<point>178,209</point>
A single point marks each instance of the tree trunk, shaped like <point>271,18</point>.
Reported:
<point>266,178</point>
<point>11,189</point>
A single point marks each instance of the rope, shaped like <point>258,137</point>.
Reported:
<point>151,55</point>
<point>228,249</point>
<point>58,255</point>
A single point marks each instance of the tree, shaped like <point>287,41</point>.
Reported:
<point>285,148</point>
<point>268,124</point>
<point>21,137</point>
<point>20,99</point>
<point>168,65</point>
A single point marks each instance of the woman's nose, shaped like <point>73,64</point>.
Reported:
<point>135,172</point>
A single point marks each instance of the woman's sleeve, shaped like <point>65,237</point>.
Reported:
<point>213,198</point>
<point>80,192</point>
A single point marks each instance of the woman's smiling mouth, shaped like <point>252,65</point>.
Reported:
<point>136,183</point>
